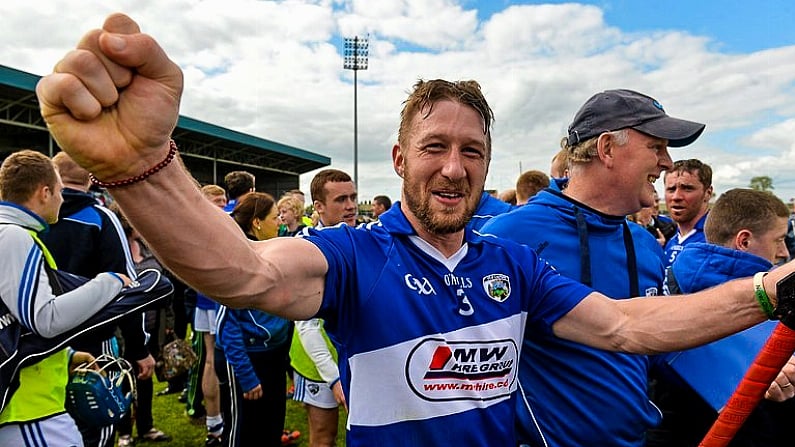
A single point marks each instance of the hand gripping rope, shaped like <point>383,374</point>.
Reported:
<point>773,356</point>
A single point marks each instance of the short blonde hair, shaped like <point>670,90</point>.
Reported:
<point>212,191</point>
<point>292,203</point>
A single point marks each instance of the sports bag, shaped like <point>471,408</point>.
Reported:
<point>176,358</point>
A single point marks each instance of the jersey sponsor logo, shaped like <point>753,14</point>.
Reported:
<point>652,291</point>
<point>497,286</point>
<point>441,370</point>
<point>421,286</point>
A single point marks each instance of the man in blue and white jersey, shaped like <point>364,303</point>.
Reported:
<point>688,189</point>
<point>428,316</point>
<point>618,142</point>
<point>312,355</point>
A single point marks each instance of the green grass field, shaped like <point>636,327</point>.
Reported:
<point>169,416</point>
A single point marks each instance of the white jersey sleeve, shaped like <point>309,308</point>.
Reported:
<point>25,288</point>
<point>311,337</point>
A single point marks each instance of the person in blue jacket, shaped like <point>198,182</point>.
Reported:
<point>251,350</point>
<point>617,145</point>
<point>745,232</point>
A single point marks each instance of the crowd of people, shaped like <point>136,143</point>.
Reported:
<point>541,317</point>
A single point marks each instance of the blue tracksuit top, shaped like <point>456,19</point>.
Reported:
<point>573,395</point>
<point>700,266</point>
<point>430,343</point>
<point>246,330</point>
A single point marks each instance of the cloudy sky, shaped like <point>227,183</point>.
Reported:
<point>274,69</point>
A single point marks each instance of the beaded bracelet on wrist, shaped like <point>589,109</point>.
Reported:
<point>172,152</point>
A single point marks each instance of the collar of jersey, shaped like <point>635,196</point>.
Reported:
<point>395,222</point>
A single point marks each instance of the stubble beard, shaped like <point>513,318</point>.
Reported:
<point>446,221</point>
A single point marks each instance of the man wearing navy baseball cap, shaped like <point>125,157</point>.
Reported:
<point>617,146</point>
<point>626,109</point>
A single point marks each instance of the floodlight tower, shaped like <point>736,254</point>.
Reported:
<point>356,51</point>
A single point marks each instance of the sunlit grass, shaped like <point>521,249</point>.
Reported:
<point>169,416</point>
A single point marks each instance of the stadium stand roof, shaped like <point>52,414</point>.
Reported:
<point>209,151</point>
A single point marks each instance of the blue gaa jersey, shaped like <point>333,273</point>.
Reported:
<point>429,345</point>
<point>488,207</point>
<point>677,243</point>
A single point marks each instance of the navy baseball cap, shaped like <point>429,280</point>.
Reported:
<point>620,109</point>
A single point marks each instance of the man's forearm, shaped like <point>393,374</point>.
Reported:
<point>193,238</point>
<point>674,323</point>
<point>205,248</point>
<point>651,325</point>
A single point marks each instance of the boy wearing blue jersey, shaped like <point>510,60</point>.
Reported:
<point>428,316</point>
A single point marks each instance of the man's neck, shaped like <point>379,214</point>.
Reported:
<point>447,244</point>
<point>321,224</point>
<point>687,227</point>
<point>602,198</point>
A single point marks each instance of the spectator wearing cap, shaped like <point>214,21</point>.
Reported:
<point>617,146</point>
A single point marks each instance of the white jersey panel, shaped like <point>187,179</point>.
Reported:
<point>443,374</point>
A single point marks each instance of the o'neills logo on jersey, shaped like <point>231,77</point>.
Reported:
<point>461,370</point>
<point>497,286</point>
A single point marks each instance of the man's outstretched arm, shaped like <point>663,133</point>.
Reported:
<point>112,104</point>
<point>652,325</point>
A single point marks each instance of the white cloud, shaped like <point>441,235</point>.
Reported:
<point>274,69</point>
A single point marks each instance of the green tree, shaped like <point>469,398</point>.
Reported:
<point>762,183</point>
